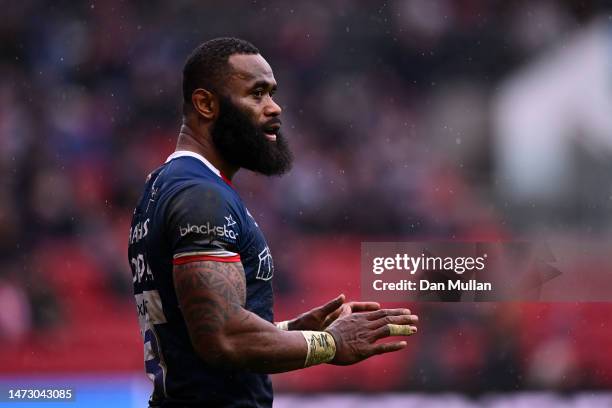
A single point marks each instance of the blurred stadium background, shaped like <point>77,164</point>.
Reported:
<point>416,119</point>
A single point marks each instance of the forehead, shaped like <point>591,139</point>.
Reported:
<point>247,69</point>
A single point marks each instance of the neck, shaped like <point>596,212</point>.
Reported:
<point>200,142</point>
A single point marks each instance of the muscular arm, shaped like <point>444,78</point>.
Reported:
<point>212,297</point>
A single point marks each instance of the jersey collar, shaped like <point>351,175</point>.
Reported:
<point>184,153</point>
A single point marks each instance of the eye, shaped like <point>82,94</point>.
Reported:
<point>258,93</point>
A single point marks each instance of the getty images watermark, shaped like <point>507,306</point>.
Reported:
<point>413,264</point>
<point>485,271</point>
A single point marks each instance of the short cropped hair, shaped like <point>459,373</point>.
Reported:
<point>207,65</point>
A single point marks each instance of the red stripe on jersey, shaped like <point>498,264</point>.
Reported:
<point>228,181</point>
<point>198,258</point>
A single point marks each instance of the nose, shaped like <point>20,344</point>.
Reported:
<point>272,108</point>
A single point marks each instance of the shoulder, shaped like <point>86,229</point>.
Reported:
<point>185,181</point>
<point>201,218</point>
<point>201,193</point>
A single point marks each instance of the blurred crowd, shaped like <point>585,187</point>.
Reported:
<point>387,106</point>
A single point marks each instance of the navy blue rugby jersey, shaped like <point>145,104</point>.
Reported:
<point>190,212</point>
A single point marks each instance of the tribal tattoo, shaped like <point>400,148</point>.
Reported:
<point>209,293</point>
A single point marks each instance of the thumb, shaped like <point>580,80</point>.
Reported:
<point>332,305</point>
<point>345,310</point>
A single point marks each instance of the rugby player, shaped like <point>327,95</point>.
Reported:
<point>202,270</point>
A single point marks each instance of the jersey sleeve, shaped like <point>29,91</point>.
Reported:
<point>202,226</point>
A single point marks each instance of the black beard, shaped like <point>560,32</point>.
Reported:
<point>245,145</point>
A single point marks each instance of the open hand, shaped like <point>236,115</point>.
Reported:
<point>320,317</point>
<point>356,334</point>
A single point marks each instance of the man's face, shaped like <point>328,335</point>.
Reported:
<point>247,129</point>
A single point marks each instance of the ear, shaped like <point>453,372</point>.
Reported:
<point>205,103</point>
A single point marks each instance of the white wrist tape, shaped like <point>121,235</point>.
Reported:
<point>321,347</point>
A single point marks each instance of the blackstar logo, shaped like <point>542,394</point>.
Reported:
<point>207,229</point>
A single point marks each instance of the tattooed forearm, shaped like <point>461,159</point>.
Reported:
<point>209,293</point>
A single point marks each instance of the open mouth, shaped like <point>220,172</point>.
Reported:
<point>271,132</point>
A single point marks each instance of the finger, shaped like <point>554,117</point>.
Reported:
<point>332,316</point>
<point>389,330</point>
<point>345,310</point>
<point>385,312</point>
<point>401,330</point>
<point>401,319</point>
<point>353,307</point>
<point>332,305</point>
<point>364,306</point>
<point>383,348</point>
